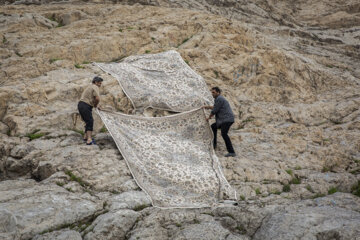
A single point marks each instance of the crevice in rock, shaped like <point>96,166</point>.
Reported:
<point>79,226</point>
<point>257,229</point>
<point>128,233</point>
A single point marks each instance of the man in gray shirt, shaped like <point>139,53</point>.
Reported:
<point>224,119</point>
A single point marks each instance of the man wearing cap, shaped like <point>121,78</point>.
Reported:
<point>89,98</point>
<point>224,119</point>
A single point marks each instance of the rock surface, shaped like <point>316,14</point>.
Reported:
<point>60,235</point>
<point>28,208</point>
<point>112,225</point>
<point>290,70</point>
<point>321,219</point>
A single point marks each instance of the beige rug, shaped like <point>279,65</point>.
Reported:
<point>161,81</point>
<point>171,158</point>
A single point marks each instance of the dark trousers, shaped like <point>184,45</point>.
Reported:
<point>224,133</point>
<point>85,111</point>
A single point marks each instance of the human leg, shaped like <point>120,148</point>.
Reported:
<point>88,136</point>
<point>85,111</point>
<point>85,134</point>
<point>224,133</point>
<point>89,129</point>
<point>214,129</point>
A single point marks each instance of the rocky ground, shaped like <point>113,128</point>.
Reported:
<point>291,71</point>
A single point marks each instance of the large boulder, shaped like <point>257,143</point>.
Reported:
<point>28,208</point>
<point>112,225</point>
<point>333,217</point>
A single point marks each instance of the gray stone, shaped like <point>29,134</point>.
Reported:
<point>31,208</point>
<point>59,235</point>
<point>68,18</point>
<point>44,144</point>
<point>112,225</point>
<point>206,230</point>
<point>20,151</point>
<point>129,200</point>
<point>103,170</point>
<point>341,181</point>
<point>7,225</point>
<point>17,167</point>
<point>317,221</point>
<point>43,171</point>
<point>152,231</point>
<point>4,129</point>
<point>237,237</point>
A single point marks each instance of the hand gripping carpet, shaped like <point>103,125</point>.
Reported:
<point>171,158</point>
<point>161,81</point>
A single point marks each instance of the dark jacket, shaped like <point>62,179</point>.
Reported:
<point>222,111</point>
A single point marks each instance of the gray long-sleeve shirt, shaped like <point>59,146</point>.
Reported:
<point>222,111</point>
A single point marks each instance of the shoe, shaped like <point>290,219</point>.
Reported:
<point>91,143</point>
<point>230,155</point>
<point>85,140</point>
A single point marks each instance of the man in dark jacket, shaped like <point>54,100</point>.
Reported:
<point>224,119</point>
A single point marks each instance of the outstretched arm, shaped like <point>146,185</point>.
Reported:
<point>207,107</point>
<point>96,102</point>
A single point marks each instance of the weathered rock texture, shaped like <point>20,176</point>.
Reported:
<point>290,70</point>
<point>28,208</point>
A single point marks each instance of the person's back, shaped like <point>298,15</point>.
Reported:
<point>224,113</point>
<point>89,93</point>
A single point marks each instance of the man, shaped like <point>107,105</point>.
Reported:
<point>89,98</point>
<point>224,119</point>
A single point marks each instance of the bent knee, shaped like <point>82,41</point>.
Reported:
<point>224,134</point>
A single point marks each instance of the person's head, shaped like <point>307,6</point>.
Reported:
<point>97,81</point>
<point>215,92</point>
